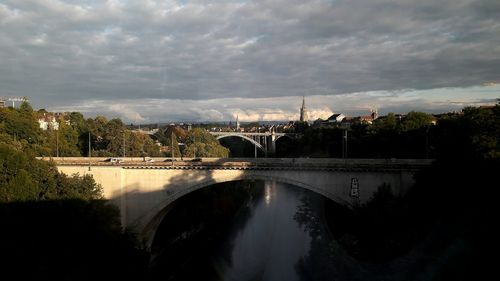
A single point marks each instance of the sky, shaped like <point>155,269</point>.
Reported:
<point>160,61</point>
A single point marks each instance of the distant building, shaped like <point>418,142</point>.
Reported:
<point>369,118</point>
<point>303,111</point>
<point>347,122</point>
<point>366,119</point>
<point>336,118</point>
<point>3,101</point>
<point>48,121</point>
<point>237,124</point>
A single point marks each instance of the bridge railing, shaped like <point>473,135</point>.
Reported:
<point>213,163</point>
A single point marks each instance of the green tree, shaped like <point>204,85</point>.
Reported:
<point>387,123</point>
<point>15,181</point>
<point>64,140</point>
<point>201,143</point>
<point>23,177</point>
<point>173,143</point>
<point>475,134</point>
<point>21,124</point>
<point>146,146</point>
<point>180,133</point>
<point>116,137</point>
<point>414,120</point>
<point>97,129</point>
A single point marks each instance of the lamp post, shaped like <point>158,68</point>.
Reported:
<point>57,143</point>
<point>427,142</point>
<point>255,148</point>
<point>344,144</point>
<point>124,144</point>
<point>90,150</point>
<point>172,147</point>
<point>194,146</point>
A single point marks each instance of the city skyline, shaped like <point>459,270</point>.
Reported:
<point>153,61</point>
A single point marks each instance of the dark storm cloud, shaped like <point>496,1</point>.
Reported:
<point>60,52</point>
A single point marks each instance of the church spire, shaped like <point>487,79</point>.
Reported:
<point>303,111</point>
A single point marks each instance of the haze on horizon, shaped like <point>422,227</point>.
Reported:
<point>149,61</point>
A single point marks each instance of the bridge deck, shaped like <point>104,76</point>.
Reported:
<point>248,163</point>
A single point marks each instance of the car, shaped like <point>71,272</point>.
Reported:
<point>115,160</point>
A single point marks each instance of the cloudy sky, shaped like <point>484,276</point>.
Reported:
<point>150,61</point>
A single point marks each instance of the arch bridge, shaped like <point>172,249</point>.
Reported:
<point>266,141</point>
<point>144,190</point>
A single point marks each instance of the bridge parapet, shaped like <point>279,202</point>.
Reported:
<point>329,164</point>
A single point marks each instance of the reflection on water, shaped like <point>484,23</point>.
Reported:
<point>267,237</point>
<point>272,241</point>
<point>263,230</point>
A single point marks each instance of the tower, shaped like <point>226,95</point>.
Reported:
<point>237,124</point>
<point>374,113</point>
<point>303,111</point>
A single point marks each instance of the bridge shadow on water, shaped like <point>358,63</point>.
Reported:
<point>200,225</point>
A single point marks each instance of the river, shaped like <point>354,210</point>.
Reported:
<point>264,230</point>
<point>244,231</point>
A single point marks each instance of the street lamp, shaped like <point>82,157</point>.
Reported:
<point>90,151</point>
<point>57,143</point>
<point>344,144</point>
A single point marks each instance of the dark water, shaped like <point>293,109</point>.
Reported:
<point>266,232</point>
<point>272,241</point>
<point>260,230</point>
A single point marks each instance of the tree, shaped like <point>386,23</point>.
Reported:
<point>180,133</point>
<point>64,139</point>
<point>15,181</point>
<point>21,124</point>
<point>23,177</point>
<point>387,123</point>
<point>116,137</point>
<point>173,143</point>
<point>201,143</point>
<point>414,120</point>
<point>149,147</point>
<point>97,129</point>
<point>474,134</point>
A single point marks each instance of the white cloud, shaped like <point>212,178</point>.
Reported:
<point>126,112</point>
<point>287,108</point>
<point>140,50</point>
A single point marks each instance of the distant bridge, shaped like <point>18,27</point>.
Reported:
<point>146,132</point>
<point>144,188</point>
<point>266,141</point>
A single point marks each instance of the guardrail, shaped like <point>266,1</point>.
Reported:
<point>246,163</point>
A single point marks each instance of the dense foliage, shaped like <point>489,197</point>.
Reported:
<point>416,135</point>
<point>447,216</point>
<point>55,226</point>
<point>201,143</point>
<point>112,138</point>
<point>20,128</point>
<point>387,137</point>
<point>24,178</point>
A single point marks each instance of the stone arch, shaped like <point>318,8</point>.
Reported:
<point>148,233</point>
<point>243,137</point>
